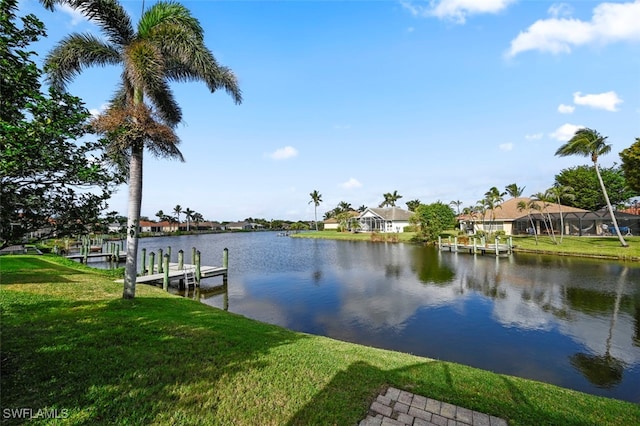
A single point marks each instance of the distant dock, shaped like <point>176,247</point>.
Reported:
<point>476,246</point>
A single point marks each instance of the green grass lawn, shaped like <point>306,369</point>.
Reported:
<point>71,343</point>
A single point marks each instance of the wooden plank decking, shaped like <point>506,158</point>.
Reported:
<point>176,273</point>
<point>496,248</point>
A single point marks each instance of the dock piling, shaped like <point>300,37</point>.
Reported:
<point>165,281</point>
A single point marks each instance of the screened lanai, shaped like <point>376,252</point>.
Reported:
<point>577,223</point>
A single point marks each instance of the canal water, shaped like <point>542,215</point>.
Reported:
<point>567,321</point>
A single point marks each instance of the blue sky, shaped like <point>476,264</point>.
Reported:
<point>438,100</point>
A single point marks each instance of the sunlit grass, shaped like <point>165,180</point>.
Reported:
<point>606,247</point>
<point>69,341</point>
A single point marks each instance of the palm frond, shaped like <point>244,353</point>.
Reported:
<point>167,108</point>
<point>109,15</point>
<point>134,125</point>
<point>169,14</point>
<point>74,53</point>
<point>197,63</point>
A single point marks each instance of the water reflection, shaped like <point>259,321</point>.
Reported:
<point>604,370</point>
<point>571,322</point>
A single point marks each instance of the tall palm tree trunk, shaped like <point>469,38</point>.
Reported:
<point>606,198</point>
<point>133,220</point>
<point>315,214</point>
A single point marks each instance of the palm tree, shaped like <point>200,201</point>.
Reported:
<point>197,218</point>
<point>545,198</point>
<point>561,192</point>
<point>530,205</point>
<point>343,206</point>
<point>168,45</point>
<point>316,199</point>
<point>589,143</point>
<point>413,205</point>
<point>493,199</point>
<point>514,190</point>
<point>160,215</point>
<point>456,203</point>
<point>188,214</point>
<point>177,210</point>
<point>362,208</point>
<point>390,199</point>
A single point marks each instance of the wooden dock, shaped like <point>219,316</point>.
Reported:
<point>476,247</point>
<point>109,256</point>
<point>188,272</point>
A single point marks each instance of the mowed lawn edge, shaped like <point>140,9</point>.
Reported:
<point>72,346</point>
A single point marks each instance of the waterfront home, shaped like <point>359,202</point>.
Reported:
<point>388,219</point>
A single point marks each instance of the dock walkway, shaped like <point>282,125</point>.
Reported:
<point>476,247</point>
<point>176,273</point>
<point>79,256</point>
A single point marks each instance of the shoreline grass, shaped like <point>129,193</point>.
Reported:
<point>70,342</point>
<point>594,247</point>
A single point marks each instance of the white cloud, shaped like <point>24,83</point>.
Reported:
<point>456,10</point>
<point>76,16</point>
<point>506,146</point>
<point>566,131</point>
<point>560,9</point>
<point>533,136</point>
<point>284,153</point>
<point>610,22</point>
<point>351,184</point>
<point>607,101</point>
<point>97,111</point>
<point>565,109</point>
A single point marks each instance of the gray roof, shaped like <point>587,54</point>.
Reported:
<point>391,213</point>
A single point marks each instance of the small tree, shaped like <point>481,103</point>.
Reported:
<point>631,165</point>
<point>432,219</point>
<point>50,181</point>
<point>412,205</point>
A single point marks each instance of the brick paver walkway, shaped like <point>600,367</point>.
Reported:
<point>398,407</point>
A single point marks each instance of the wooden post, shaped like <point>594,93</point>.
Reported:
<point>144,261</point>
<point>225,264</point>
<point>117,255</point>
<point>455,244</point>
<point>180,259</point>
<point>198,267</point>
<point>165,281</point>
<point>193,255</point>
<point>439,243</point>
<point>86,253</point>
<point>474,245</point>
<point>169,252</point>
<point>160,268</point>
<point>497,249</point>
<point>152,262</point>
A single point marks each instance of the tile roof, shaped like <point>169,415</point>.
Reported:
<point>391,213</point>
<point>509,210</point>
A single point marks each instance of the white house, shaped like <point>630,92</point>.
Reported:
<point>389,219</point>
